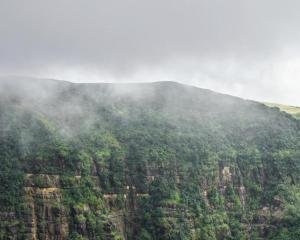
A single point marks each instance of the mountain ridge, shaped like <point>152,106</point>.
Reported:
<point>12,80</point>
<point>156,161</point>
<point>18,79</point>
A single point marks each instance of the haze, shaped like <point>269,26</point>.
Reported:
<point>248,48</point>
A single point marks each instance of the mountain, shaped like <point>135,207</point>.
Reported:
<point>144,161</point>
<point>293,110</point>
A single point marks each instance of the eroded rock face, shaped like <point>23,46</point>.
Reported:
<point>178,163</point>
<point>226,174</point>
<point>46,212</point>
<point>48,217</point>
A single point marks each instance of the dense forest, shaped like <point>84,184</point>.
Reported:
<point>144,161</point>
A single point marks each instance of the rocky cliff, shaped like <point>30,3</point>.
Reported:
<point>144,161</point>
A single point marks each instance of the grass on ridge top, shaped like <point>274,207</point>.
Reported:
<point>293,110</point>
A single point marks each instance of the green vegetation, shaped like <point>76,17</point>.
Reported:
<point>145,161</point>
<point>295,111</point>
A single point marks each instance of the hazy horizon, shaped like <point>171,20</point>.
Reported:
<point>132,82</point>
<point>249,49</point>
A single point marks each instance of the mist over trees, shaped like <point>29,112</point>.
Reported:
<point>144,161</point>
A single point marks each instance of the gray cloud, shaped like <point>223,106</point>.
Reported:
<point>247,48</point>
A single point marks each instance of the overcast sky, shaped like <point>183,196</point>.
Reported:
<point>247,48</point>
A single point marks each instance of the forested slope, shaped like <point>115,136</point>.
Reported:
<point>144,161</point>
<point>294,111</point>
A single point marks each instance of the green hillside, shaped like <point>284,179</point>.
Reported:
<point>144,161</point>
<point>295,111</point>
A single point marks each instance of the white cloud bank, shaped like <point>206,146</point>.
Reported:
<point>248,48</point>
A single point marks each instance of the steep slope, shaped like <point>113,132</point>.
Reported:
<point>295,111</point>
<point>144,161</point>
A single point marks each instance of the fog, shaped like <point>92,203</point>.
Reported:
<point>248,49</point>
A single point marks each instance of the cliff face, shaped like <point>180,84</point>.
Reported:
<point>43,200</point>
<point>144,161</point>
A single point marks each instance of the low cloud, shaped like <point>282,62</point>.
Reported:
<point>246,48</point>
